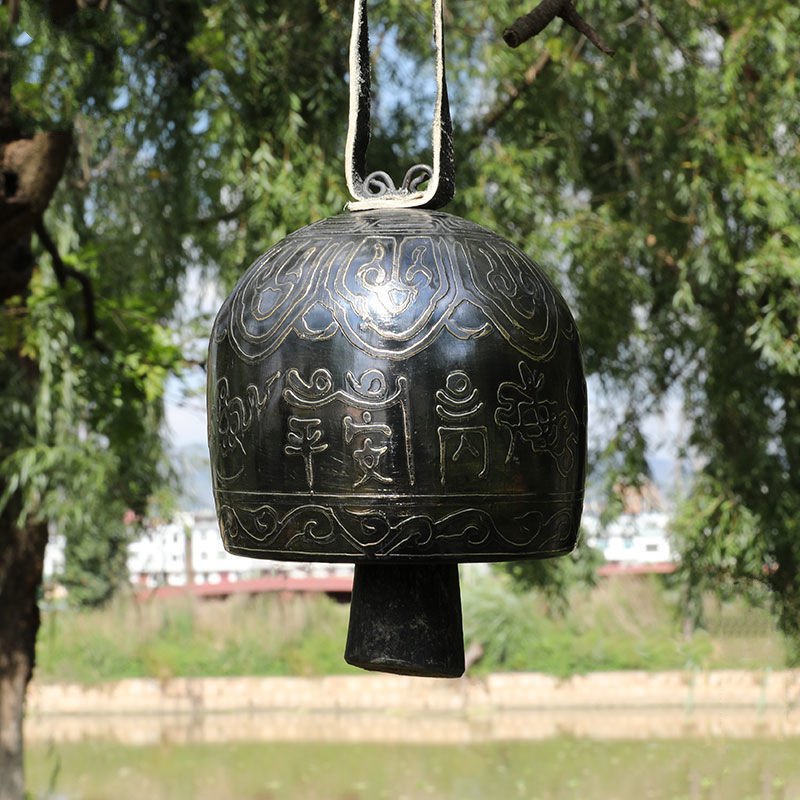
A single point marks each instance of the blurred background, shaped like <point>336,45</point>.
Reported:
<point>150,152</point>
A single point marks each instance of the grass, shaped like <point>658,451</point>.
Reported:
<point>624,623</point>
<point>264,635</point>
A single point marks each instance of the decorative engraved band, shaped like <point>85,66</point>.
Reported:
<point>327,528</point>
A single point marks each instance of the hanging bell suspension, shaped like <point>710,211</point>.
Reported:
<point>377,189</point>
<point>402,389</point>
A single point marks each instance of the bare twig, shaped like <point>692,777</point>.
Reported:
<point>529,25</point>
<point>63,272</point>
<point>572,58</point>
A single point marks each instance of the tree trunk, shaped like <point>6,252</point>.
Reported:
<point>30,169</point>
<point>21,562</point>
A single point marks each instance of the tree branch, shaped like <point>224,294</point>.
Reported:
<point>500,109</point>
<point>224,216</point>
<point>529,25</point>
<point>63,272</point>
<point>13,11</point>
<point>8,130</point>
<point>668,32</point>
<point>504,104</point>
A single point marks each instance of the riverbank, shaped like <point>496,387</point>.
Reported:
<point>385,708</point>
<point>617,690</point>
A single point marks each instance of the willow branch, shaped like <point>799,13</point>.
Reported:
<point>533,23</point>
<point>13,11</point>
<point>497,112</point>
<point>63,272</point>
<point>668,32</point>
<point>224,216</point>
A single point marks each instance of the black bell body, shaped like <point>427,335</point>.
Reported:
<point>396,385</point>
<point>395,388</point>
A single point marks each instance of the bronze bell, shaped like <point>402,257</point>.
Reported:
<point>399,388</point>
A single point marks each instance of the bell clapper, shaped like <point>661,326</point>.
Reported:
<point>406,619</point>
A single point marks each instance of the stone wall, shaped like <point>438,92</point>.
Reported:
<point>619,690</point>
<point>390,708</point>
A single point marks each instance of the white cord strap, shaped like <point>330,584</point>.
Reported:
<point>377,189</point>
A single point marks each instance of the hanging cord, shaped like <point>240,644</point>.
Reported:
<point>377,189</point>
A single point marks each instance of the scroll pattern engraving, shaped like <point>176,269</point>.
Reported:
<point>324,531</point>
<point>394,290</point>
<point>392,283</point>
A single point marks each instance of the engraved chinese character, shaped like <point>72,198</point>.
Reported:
<point>352,429</point>
<point>366,393</point>
<point>459,404</point>
<point>304,439</point>
<point>368,459</point>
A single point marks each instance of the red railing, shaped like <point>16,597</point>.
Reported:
<point>272,583</point>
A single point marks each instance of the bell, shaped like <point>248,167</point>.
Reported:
<point>399,388</point>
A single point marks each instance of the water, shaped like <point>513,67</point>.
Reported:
<point>183,762</point>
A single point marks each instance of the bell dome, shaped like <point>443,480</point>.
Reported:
<point>396,386</point>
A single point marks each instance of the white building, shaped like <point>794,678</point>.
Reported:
<point>54,557</point>
<point>641,538</point>
<point>160,556</point>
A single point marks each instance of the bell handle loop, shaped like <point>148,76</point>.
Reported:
<point>377,190</point>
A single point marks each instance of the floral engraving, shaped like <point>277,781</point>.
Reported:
<point>529,417</point>
<point>231,417</point>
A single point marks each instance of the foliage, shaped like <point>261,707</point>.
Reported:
<point>184,158</point>
<point>184,639</point>
<point>669,180</point>
<point>601,631</point>
<point>80,465</point>
<point>620,624</point>
<point>663,185</point>
<point>556,579</point>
